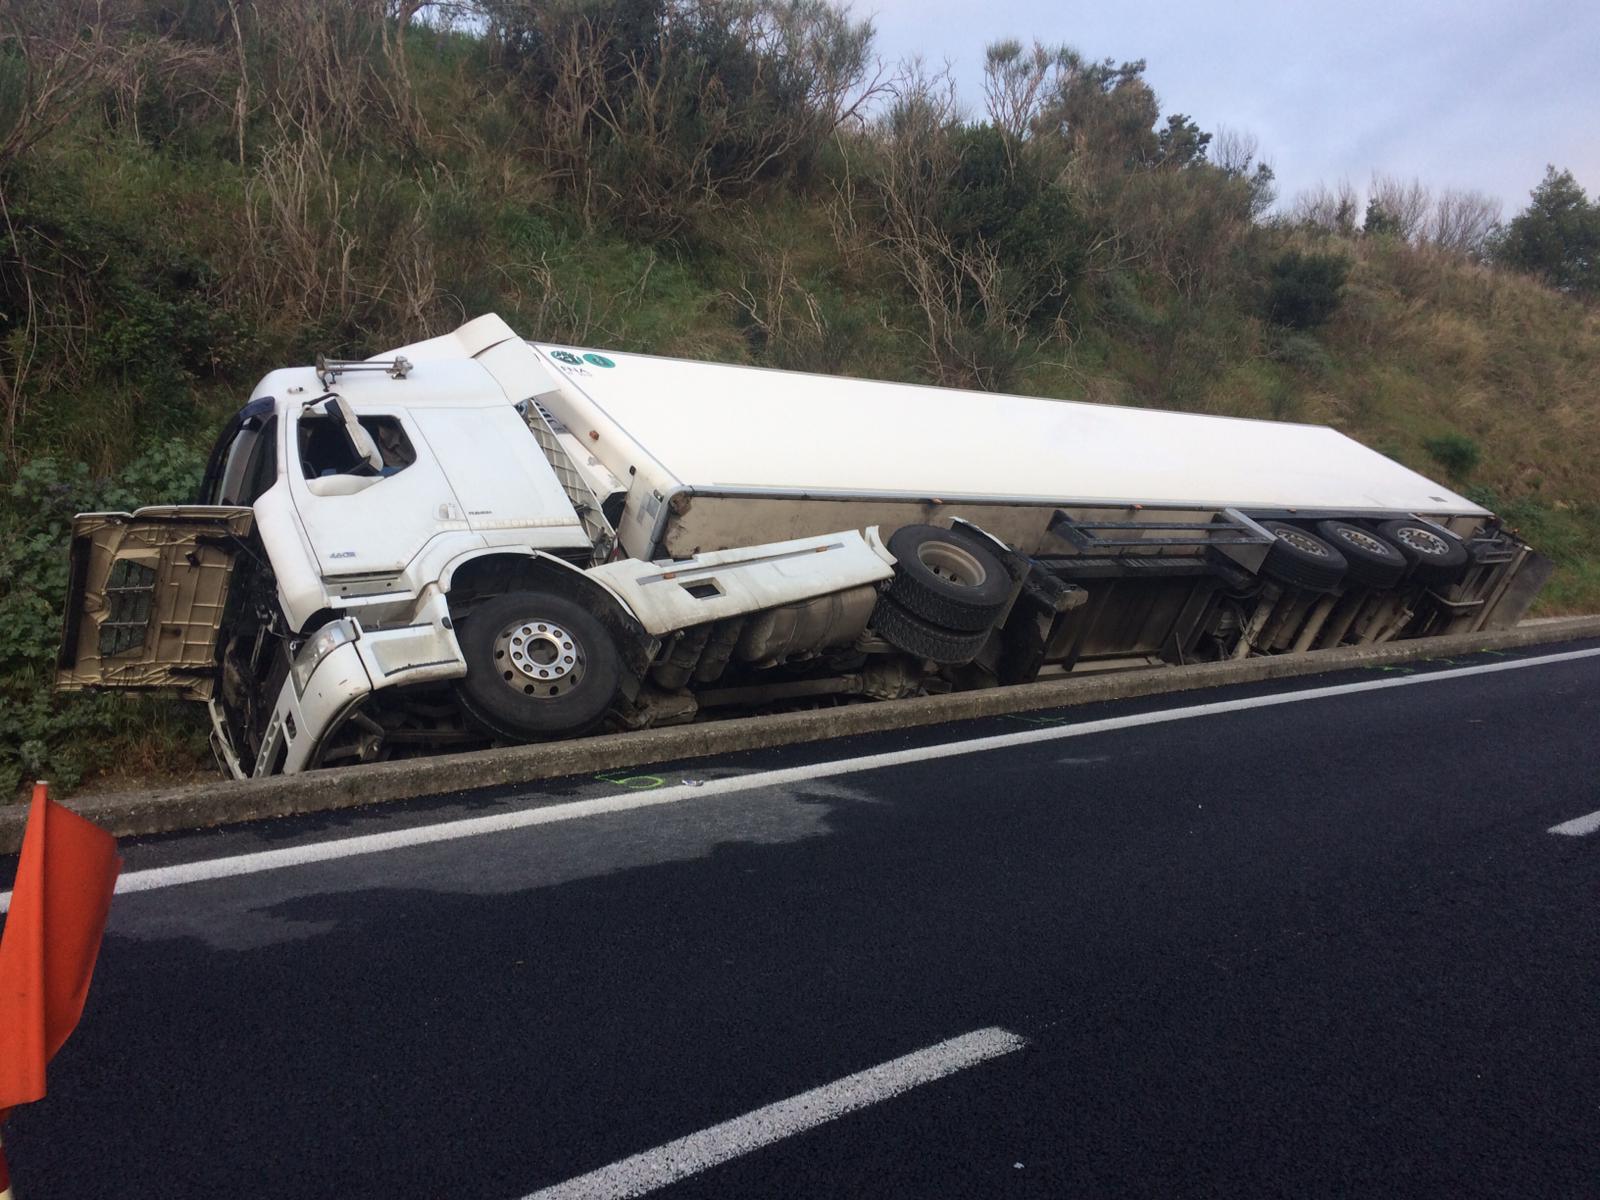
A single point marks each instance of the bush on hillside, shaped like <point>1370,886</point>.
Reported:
<point>1303,353</point>
<point>1455,452</point>
<point>1005,201</point>
<point>60,736</point>
<point>1305,289</point>
<point>649,109</point>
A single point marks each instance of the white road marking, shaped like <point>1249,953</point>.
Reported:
<point>1578,826</point>
<point>445,831</point>
<point>686,1156</point>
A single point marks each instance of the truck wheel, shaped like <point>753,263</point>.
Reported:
<point>1434,557</point>
<point>1301,559</point>
<point>538,666</point>
<point>911,633</point>
<point>946,579</point>
<point>1373,562</point>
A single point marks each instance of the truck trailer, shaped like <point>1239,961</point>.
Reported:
<point>477,539</point>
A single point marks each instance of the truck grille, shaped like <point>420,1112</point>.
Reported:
<point>130,589</point>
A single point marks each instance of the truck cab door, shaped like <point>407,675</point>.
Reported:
<point>146,596</point>
<point>366,517</point>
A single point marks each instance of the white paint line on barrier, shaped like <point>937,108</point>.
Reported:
<point>445,831</point>
<point>685,1156</point>
<point>1578,826</point>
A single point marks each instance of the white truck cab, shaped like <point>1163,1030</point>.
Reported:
<point>476,538</point>
<point>351,515</point>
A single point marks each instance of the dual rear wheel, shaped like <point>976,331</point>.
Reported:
<point>1343,552</point>
<point>948,591</point>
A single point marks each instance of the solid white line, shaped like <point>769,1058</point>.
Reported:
<point>688,1155</point>
<point>1578,826</point>
<point>445,831</point>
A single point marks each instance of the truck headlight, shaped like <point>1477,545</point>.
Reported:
<point>318,646</point>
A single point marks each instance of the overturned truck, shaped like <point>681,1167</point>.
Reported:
<point>478,539</point>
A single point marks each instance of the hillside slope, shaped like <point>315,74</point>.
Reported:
<point>194,194</point>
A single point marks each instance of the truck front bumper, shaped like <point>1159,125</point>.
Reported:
<point>319,695</point>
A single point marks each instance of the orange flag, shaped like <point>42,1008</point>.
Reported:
<point>57,916</point>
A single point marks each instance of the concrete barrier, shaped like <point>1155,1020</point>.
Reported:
<point>198,806</point>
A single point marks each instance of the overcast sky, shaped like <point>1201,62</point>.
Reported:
<point>1465,93</point>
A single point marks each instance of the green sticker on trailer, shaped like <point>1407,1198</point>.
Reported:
<point>566,356</point>
<point>598,360</point>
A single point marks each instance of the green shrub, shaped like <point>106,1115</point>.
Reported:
<point>1569,534</point>
<point>1283,400</point>
<point>680,102</point>
<point>1455,452</point>
<point>1005,201</point>
<point>1304,289</point>
<point>1303,353</point>
<point>61,736</point>
<point>1122,306</point>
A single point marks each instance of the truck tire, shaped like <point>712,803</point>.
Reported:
<point>909,632</point>
<point>1302,559</point>
<point>946,579</point>
<point>538,666</point>
<point>1435,558</point>
<point>1372,562</point>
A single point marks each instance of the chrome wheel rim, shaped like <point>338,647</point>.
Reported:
<point>538,658</point>
<point>1365,541</point>
<point>1423,541</point>
<point>1303,542</point>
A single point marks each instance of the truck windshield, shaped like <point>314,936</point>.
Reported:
<point>232,451</point>
<point>261,469</point>
<point>250,465</point>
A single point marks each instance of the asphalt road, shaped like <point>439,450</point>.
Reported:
<point>1322,947</point>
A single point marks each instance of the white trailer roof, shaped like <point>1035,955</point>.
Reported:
<point>727,428</point>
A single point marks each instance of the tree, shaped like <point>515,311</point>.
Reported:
<point>1181,144</point>
<point>1463,222</point>
<point>1397,208</point>
<point>1557,237</point>
<point>1379,221</point>
<point>1017,83</point>
<point>1234,153</point>
<point>1105,113</point>
<point>1009,205</point>
<point>1332,210</point>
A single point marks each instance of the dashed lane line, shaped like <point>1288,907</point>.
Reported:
<point>1578,826</point>
<point>685,1156</point>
